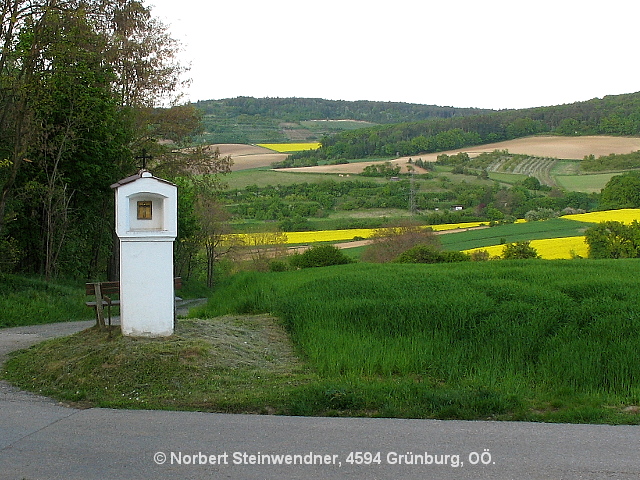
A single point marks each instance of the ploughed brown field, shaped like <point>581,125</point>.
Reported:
<point>251,156</point>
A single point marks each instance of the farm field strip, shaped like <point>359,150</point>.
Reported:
<point>553,147</point>
<point>624,215</point>
<point>592,183</point>
<point>290,147</point>
<point>550,248</point>
<point>348,234</point>
<point>516,340</point>
<point>539,167</point>
<point>570,247</point>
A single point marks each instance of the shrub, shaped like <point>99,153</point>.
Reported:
<point>319,256</point>
<point>519,250</point>
<point>452,256</point>
<point>420,254</point>
<point>614,240</point>
<point>277,266</point>
<point>296,223</point>
<point>9,254</point>
<point>428,254</point>
<point>391,241</point>
<point>384,170</point>
<point>622,191</point>
<point>540,214</point>
<point>479,256</point>
<point>531,183</point>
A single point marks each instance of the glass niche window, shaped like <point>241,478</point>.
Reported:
<point>145,210</point>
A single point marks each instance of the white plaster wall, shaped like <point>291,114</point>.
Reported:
<point>147,297</point>
<point>165,215</point>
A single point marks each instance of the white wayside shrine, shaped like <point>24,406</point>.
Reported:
<point>147,225</point>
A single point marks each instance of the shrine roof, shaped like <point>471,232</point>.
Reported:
<point>141,174</point>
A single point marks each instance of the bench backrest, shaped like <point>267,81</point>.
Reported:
<point>114,287</point>
<point>105,287</point>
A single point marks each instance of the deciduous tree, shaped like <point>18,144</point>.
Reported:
<point>613,240</point>
<point>389,242</point>
<point>74,78</point>
<point>622,191</point>
<point>519,250</point>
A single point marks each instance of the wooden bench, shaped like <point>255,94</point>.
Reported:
<point>103,291</point>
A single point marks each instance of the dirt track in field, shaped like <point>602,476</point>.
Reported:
<point>249,156</point>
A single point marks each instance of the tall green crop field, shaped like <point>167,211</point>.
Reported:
<point>512,326</point>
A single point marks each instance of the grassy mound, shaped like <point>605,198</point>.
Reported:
<point>235,364</point>
<point>564,332</point>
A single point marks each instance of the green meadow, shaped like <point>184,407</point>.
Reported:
<point>509,324</point>
<point>516,232</point>
<point>592,183</point>
<point>515,337</point>
<point>32,301</point>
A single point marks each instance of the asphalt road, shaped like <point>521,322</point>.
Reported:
<point>40,439</point>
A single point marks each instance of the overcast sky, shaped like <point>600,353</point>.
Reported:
<point>462,53</point>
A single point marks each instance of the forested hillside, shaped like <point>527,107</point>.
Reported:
<point>260,120</point>
<point>611,115</point>
<point>298,109</point>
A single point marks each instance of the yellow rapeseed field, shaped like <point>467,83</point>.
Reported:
<point>569,247</point>
<point>290,147</point>
<point>455,226</point>
<point>551,248</point>
<point>328,235</point>
<point>350,234</point>
<point>625,215</point>
<point>548,248</point>
<point>312,237</point>
<point>557,248</point>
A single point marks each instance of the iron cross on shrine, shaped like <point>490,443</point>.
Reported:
<point>144,157</point>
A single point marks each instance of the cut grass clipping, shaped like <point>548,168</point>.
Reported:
<point>232,364</point>
<point>514,340</point>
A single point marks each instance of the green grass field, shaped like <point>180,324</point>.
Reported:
<point>264,177</point>
<point>517,232</point>
<point>499,322</point>
<point>508,178</point>
<point>514,330</point>
<point>584,183</point>
<point>531,340</point>
<point>32,301</point>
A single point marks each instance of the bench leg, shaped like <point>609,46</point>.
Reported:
<point>99,310</point>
